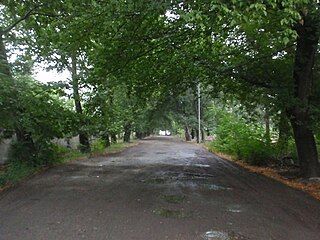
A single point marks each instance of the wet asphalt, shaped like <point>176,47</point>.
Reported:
<point>160,189</point>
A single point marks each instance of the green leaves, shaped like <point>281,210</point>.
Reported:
<point>41,114</point>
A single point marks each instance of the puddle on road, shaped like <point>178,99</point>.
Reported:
<point>217,187</point>
<point>186,180</point>
<point>192,184</point>
<point>216,235</point>
<point>200,185</point>
<point>186,175</point>
<point>77,177</point>
<point>161,152</point>
<point>235,209</point>
<point>82,177</point>
<point>221,235</point>
<point>201,165</point>
<point>195,175</point>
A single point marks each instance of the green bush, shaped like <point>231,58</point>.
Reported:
<point>15,171</point>
<point>39,154</point>
<point>98,146</point>
<point>22,165</point>
<point>64,153</point>
<point>244,141</point>
<point>40,116</point>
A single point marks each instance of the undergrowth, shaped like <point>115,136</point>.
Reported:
<point>19,168</point>
<point>247,142</point>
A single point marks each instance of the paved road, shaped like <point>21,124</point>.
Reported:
<point>160,189</point>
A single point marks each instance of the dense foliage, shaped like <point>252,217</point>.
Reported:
<point>250,136</point>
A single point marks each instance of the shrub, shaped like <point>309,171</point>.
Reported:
<point>98,146</point>
<point>15,171</point>
<point>39,118</point>
<point>244,141</point>
<point>40,154</point>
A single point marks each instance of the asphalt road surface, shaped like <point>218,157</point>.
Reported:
<point>161,189</point>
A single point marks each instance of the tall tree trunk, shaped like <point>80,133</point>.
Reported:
<point>106,138</point>
<point>203,137</point>
<point>83,136</point>
<point>187,133</point>
<point>198,136</point>
<point>193,133</point>
<point>127,132</point>
<point>306,149</point>
<point>5,71</point>
<point>299,114</point>
<point>140,135</point>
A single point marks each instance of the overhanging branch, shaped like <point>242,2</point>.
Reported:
<point>13,25</point>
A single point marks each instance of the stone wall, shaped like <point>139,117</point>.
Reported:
<point>4,150</point>
<point>68,142</point>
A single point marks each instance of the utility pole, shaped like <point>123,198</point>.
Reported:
<point>199,114</point>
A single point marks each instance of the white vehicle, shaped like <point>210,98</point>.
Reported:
<point>164,133</point>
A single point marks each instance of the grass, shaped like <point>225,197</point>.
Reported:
<point>66,154</point>
<point>98,147</point>
<point>15,172</point>
<point>117,147</point>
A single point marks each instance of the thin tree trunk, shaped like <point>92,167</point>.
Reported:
<point>198,135</point>
<point>83,136</point>
<point>203,137</point>
<point>113,138</point>
<point>187,133</point>
<point>299,114</point>
<point>127,132</point>
<point>106,139</point>
<point>193,133</point>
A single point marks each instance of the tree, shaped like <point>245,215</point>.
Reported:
<point>308,30</point>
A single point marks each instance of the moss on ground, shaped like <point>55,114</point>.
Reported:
<point>175,199</point>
